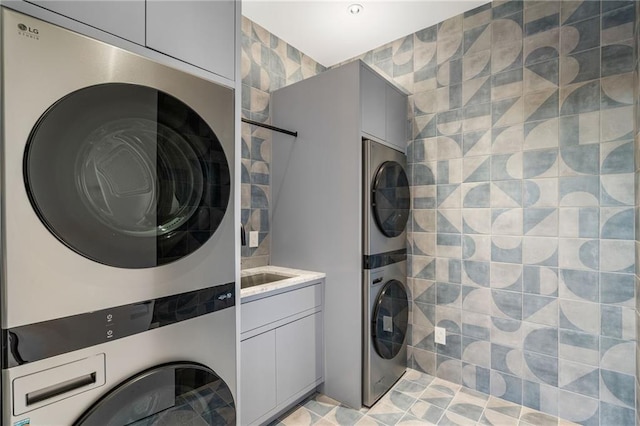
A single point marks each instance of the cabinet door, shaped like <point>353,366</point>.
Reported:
<point>298,355</point>
<point>396,118</point>
<point>373,93</point>
<point>257,376</point>
<point>123,18</point>
<point>201,33</point>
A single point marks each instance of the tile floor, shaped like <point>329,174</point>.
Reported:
<point>419,399</point>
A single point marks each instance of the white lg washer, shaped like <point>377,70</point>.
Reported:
<point>118,230</point>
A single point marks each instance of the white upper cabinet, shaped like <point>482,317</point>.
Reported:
<point>121,18</point>
<point>201,33</point>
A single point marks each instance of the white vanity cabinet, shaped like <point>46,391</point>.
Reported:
<point>201,33</point>
<point>281,350</point>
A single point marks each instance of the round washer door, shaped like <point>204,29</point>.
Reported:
<point>390,198</point>
<point>390,319</point>
<point>171,394</point>
<point>127,175</point>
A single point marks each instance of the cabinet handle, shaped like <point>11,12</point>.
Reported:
<point>60,388</point>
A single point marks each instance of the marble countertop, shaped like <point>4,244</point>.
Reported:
<point>299,278</point>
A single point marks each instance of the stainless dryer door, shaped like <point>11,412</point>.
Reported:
<point>126,175</point>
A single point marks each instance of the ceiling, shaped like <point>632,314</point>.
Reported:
<point>328,33</point>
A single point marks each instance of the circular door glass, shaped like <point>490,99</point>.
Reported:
<point>390,319</point>
<point>172,394</point>
<point>391,199</point>
<point>127,175</point>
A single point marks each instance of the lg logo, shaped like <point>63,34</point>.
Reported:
<point>23,27</point>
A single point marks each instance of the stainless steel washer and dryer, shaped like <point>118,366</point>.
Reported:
<point>118,227</point>
<point>386,304</point>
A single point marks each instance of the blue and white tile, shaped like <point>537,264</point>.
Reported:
<point>541,222</point>
<point>540,368</point>
<point>579,129</point>
<point>476,352</point>
<point>449,196</point>
<point>618,322</point>
<point>578,408</point>
<point>507,139</point>
<point>580,316</point>
<point>476,377</point>
<point>506,276</point>
<point>475,273</point>
<point>616,157</point>
<point>506,304</point>
<point>476,221</point>
<point>579,347</point>
<point>476,143</point>
<point>617,256</point>
<point>476,299</point>
<point>506,249</point>
<point>506,222</point>
<point>506,359</point>
<point>579,378</point>
<point>580,222</point>
<point>540,309</point>
<point>448,270</point>
<point>540,193</point>
<point>449,221</point>
<point>541,251</point>
<point>538,396</point>
<point>579,285</point>
<point>506,332</point>
<point>581,191</point>
<point>507,112</point>
<point>476,247</point>
<point>541,134</point>
<point>617,190</point>
<point>506,386</point>
<point>617,355</point>
<point>575,253</point>
<point>540,339</point>
<point>506,166</point>
<point>477,326</point>
<point>617,289</point>
<point>506,194</point>
<point>617,124</point>
<point>449,369</point>
<point>475,195</point>
<point>540,280</point>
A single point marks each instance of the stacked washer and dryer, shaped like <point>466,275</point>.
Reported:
<point>385,302</point>
<point>118,236</point>
<point>340,204</point>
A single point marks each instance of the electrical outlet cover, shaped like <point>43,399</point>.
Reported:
<point>253,238</point>
<point>441,335</point>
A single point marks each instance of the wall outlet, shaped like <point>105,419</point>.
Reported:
<point>253,238</point>
<point>441,335</point>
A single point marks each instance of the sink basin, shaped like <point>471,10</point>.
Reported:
<point>261,278</point>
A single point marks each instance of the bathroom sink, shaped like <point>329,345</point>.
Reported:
<point>261,278</point>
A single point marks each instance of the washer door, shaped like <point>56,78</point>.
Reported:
<point>172,394</point>
<point>390,319</point>
<point>126,175</point>
<point>390,199</point>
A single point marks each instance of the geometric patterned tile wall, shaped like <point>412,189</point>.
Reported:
<point>268,63</point>
<point>522,236</point>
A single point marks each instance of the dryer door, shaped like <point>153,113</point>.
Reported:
<point>390,199</point>
<point>126,175</point>
<point>390,320</point>
<point>173,394</point>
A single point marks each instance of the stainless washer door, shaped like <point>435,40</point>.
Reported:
<point>172,394</point>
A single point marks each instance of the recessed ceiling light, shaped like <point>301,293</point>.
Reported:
<point>355,8</point>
